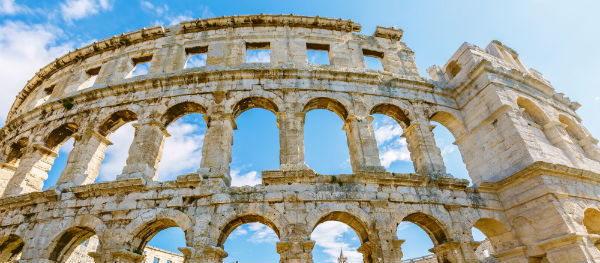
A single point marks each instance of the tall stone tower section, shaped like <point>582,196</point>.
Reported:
<point>526,143</point>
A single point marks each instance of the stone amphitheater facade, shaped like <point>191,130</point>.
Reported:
<point>534,167</point>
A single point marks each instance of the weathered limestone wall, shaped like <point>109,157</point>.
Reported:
<point>535,168</point>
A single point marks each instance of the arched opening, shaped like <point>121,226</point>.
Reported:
<point>448,129</point>
<point>326,143</point>
<point>73,245</point>
<point>574,131</point>
<point>119,129</point>
<point>160,241</point>
<point>493,237</point>
<point>591,221</point>
<point>423,234</point>
<point>11,247</point>
<point>250,238</point>
<point>531,112</point>
<point>389,122</point>
<point>16,151</point>
<point>60,140</point>
<point>182,150</point>
<point>256,132</point>
<point>341,231</point>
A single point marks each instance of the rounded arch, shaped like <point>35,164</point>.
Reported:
<point>392,111</point>
<point>80,229</point>
<point>451,122</point>
<point>499,235</point>
<point>241,220</point>
<point>16,150</point>
<point>591,221</point>
<point>533,110</point>
<point>254,102</point>
<point>11,247</point>
<point>116,120</point>
<point>360,227</point>
<point>572,127</point>
<point>433,227</point>
<point>179,110</point>
<point>60,135</point>
<point>327,104</point>
<point>142,230</point>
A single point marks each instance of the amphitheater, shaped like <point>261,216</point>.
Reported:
<point>535,169</point>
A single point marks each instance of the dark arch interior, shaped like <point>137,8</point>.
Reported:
<point>115,121</point>
<point>68,241</point>
<point>179,110</point>
<point>61,134</point>
<point>327,104</point>
<point>254,102</point>
<point>17,150</point>
<point>149,230</point>
<point>10,248</point>
<point>392,111</point>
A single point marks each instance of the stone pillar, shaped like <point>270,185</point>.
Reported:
<point>364,155</point>
<point>368,249</point>
<point>32,171</point>
<point>145,151</point>
<point>291,141</point>
<point>6,173</point>
<point>448,252</point>
<point>295,251</point>
<point>218,141</point>
<point>203,254</point>
<point>425,155</point>
<point>571,248</point>
<point>516,255</point>
<point>84,161</point>
<point>590,147</point>
<point>393,252</point>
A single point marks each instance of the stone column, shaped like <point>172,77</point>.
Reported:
<point>291,141</point>
<point>32,171</point>
<point>448,252</point>
<point>6,173</point>
<point>590,147</point>
<point>426,156</point>
<point>369,250</point>
<point>218,141</point>
<point>364,155</point>
<point>571,248</point>
<point>392,252</point>
<point>145,151</point>
<point>84,161</point>
<point>295,251</point>
<point>203,254</point>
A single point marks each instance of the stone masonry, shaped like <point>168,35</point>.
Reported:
<point>535,168</point>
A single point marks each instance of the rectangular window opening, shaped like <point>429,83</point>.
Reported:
<point>258,52</point>
<point>49,89</point>
<point>317,53</point>
<point>196,56</point>
<point>373,59</point>
<point>156,260</point>
<point>91,74</point>
<point>141,65</point>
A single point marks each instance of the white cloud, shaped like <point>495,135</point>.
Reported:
<point>9,7</point>
<point>392,147</point>
<point>24,49</point>
<point>249,178</point>
<point>391,155</point>
<point>178,19</point>
<point>386,131</point>
<point>329,236</point>
<point>78,9</point>
<point>116,154</point>
<point>256,233</point>
<point>182,152</point>
<point>597,98</point>
<point>258,56</point>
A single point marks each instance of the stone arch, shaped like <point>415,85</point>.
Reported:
<point>451,122</point>
<point>16,150</point>
<point>11,247</point>
<point>79,230</point>
<point>499,235</point>
<point>533,111</point>
<point>433,227</point>
<point>327,104</point>
<point>254,102</point>
<point>244,219</point>
<point>141,230</point>
<point>360,227</point>
<point>572,127</point>
<point>591,221</point>
<point>392,111</point>
<point>116,120</point>
<point>60,135</point>
<point>179,110</point>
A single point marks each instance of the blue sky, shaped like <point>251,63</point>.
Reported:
<point>558,38</point>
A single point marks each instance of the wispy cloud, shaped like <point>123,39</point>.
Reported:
<point>256,233</point>
<point>329,236</point>
<point>182,152</point>
<point>24,49</point>
<point>258,56</point>
<point>249,178</point>
<point>165,17</point>
<point>597,98</point>
<point>78,9</point>
<point>9,7</point>
<point>391,145</point>
<point>116,154</point>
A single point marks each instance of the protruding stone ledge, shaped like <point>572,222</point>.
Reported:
<point>29,198</point>
<point>273,177</point>
<point>388,32</point>
<point>109,188</point>
<point>269,20</point>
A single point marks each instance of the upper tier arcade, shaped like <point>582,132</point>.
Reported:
<point>526,151</point>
